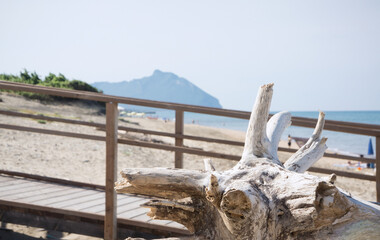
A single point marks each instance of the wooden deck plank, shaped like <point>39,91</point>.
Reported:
<point>31,192</point>
<point>129,200</point>
<point>135,212</point>
<point>83,198</point>
<point>122,206</point>
<point>97,208</point>
<point>18,191</point>
<point>121,199</point>
<point>140,216</point>
<point>15,186</point>
<point>66,198</point>
<point>3,179</point>
<point>121,196</point>
<point>78,201</point>
<point>130,206</point>
<point>10,181</point>
<point>10,187</point>
<point>6,178</point>
<point>88,204</point>
<point>39,199</point>
<point>91,216</point>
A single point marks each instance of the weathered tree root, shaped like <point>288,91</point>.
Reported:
<point>259,198</point>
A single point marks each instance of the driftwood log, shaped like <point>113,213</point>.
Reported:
<point>259,198</point>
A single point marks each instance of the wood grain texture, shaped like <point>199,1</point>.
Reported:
<point>75,201</point>
<point>179,124</point>
<point>259,198</point>
<point>110,222</point>
<point>311,152</point>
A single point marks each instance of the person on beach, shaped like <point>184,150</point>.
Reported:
<point>289,141</point>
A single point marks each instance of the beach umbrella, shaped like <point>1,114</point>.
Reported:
<point>370,152</point>
<point>370,148</point>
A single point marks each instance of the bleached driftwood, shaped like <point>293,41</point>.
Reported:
<point>309,153</point>
<point>259,198</point>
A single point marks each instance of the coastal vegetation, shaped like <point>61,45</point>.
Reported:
<point>51,80</point>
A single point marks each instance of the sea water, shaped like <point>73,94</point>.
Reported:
<point>342,143</point>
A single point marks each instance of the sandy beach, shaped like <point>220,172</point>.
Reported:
<point>84,160</point>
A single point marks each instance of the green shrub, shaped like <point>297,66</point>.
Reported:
<point>52,80</point>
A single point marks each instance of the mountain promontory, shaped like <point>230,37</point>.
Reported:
<point>160,86</point>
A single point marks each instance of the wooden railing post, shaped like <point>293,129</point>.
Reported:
<point>378,168</point>
<point>178,156</point>
<point>110,223</point>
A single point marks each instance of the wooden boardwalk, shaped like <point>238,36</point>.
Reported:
<point>79,202</point>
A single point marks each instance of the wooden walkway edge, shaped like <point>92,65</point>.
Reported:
<point>78,204</point>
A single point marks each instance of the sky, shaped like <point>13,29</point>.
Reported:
<point>321,55</point>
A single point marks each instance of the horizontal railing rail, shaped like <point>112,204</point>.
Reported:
<point>192,150</point>
<point>150,132</point>
<point>340,126</point>
<point>111,139</point>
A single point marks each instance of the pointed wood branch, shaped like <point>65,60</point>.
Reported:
<point>209,167</point>
<point>256,140</point>
<point>330,179</point>
<point>311,152</point>
<point>162,182</point>
<point>275,127</point>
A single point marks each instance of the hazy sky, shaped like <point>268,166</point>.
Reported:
<point>321,55</point>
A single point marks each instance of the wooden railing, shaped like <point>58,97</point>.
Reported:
<point>111,127</point>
